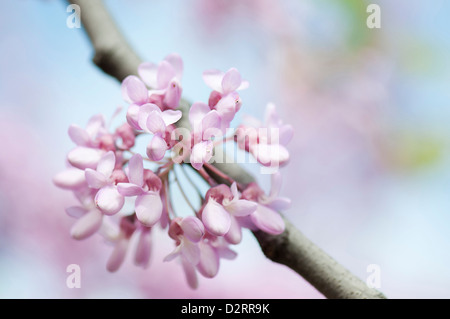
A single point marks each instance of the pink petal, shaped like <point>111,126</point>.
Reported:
<point>84,157</point>
<point>175,253</point>
<point>106,164</point>
<point>211,120</point>
<point>213,79</point>
<point>192,228</point>
<point>201,153</point>
<point>87,225</point>
<point>209,261</point>
<point>129,189</point>
<point>268,220</point>
<point>189,271</point>
<point>280,203</point>
<point>197,112</point>
<point>270,154</point>
<point>190,251</point>
<point>231,81</point>
<point>172,95</point>
<point>157,148</point>
<point>71,178</point>
<point>109,200</point>
<point>144,112</point>
<point>133,116</point>
<point>134,90</point>
<point>95,179</point>
<point>215,218</point>
<point>155,123</point>
<point>241,207</point>
<point>234,235</point>
<point>148,208</point>
<point>244,85</point>
<point>78,135</point>
<point>147,71</point>
<point>286,134</point>
<point>171,116</point>
<point>166,73</point>
<point>136,170</point>
<point>234,190</point>
<point>143,248</point>
<point>177,63</point>
<point>76,211</point>
<point>226,107</point>
<point>118,255</point>
<point>95,124</point>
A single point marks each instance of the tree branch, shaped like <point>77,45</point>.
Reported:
<point>115,57</point>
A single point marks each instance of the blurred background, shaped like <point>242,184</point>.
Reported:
<point>369,175</point>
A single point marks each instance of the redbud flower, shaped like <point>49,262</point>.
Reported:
<point>152,120</point>
<point>148,205</point>
<point>107,199</point>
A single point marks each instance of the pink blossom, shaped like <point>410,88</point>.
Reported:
<point>89,220</point>
<point>224,97</point>
<point>266,141</point>
<point>205,124</point>
<point>266,217</point>
<point>187,233</point>
<point>152,120</point>
<point>165,80</point>
<point>222,209</point>
<point>145,185</point>
<point>107,199</point>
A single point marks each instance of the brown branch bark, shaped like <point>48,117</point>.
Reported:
<point>114,56</point>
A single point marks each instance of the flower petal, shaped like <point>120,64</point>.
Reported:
<point>78,135</point>
<point>136,170</point>
<point>71,178</point>
<point>95,179</point>
<point>87,225</point>
<point>143,248</point>
<point>106,164</point>
<point>157,148</point>
<point>134,90</point>
<point>241,207</point>
<point>213,79</point>
<point>270,155</point>
<point>197,112</point>
<point>147,71</point>
<point>76,211</point>
<point>129,189</point>
<point>155,123</point>
<point>215,218</point>
<point>177,64</point>
<point>209,261</point>
<point>231,81</point>
<point>109,200</point>
<point>192,228</point>
<point>118,255</point>
<point>171,116</point>
<point>143,114</point>
<point>175,253</point>
<point>234,235</point>
<point>189,271</point>
<point>211,120</point>
<point>244,85</point>
<point>268,220</point>
<point>148,208</point>
<point>172,95</point>
<point>201,153</point>
<point>133,116</point>
<point>84,157</point>
<point>190,251</point>
<point>166,73</point>
<point>280,203</point>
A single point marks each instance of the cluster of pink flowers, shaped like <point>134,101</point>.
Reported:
<point>104,169</point>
